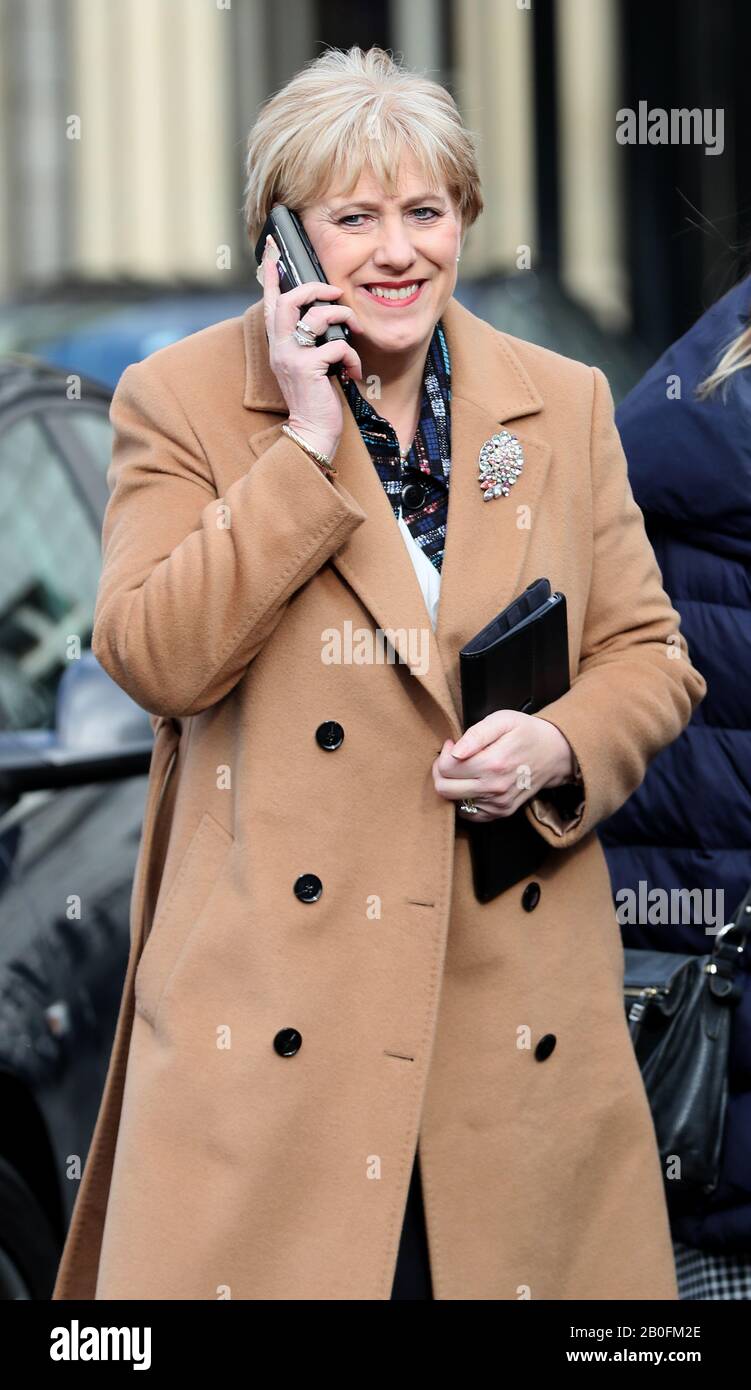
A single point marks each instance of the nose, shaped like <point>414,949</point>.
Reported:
<point>395,251</point>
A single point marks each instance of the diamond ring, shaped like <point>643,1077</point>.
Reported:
<point>304,335</point>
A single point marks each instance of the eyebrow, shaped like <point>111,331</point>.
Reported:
<point>374,207</point>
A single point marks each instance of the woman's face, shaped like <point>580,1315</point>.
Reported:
<point>368,238</point>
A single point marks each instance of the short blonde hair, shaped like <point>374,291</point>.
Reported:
<point>346,110</point>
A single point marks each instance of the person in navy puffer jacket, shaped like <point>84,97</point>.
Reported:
<point>686,432</point>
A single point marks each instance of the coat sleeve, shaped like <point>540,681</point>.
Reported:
<point>636,688</point>
<point>192,584</point>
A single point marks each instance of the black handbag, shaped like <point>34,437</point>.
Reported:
<point>678,1009</point>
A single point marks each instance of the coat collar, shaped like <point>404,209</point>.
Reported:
<point>486,542</point>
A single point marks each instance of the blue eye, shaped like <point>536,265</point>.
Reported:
<point>348,218</point>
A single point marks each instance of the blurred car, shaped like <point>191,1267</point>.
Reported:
<point>97,327</point>
<point>103,348</point>
<point>74,754</point>
<point>44,312</point>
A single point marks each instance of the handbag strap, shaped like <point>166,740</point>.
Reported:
<point>739,926</point>
<point>742,915</point>
<point>730,942</point>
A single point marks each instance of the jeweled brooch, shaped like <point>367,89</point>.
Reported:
<point>500,462</point>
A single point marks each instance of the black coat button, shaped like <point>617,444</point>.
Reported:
<point>413,496</point>
<point>330,734</point>
<point>531,896</point>
<point>287,1042</point>
<point>308,887</point>
<point>545,1046</point>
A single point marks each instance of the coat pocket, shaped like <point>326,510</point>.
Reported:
<point>176,916</point>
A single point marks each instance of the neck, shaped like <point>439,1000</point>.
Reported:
<point>399,374</point>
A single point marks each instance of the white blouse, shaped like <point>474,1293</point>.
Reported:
<point>427,574</point>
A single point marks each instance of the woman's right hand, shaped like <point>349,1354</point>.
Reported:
<point>315,410</point>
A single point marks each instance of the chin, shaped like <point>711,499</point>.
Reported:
<point>399,342</point>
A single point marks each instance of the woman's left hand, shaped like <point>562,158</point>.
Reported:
<point>502,762</point>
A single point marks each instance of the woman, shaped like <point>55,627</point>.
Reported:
<point>313,986</point>
<point>686,429</point>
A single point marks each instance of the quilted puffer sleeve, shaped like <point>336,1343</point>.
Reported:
<point>636,688</point>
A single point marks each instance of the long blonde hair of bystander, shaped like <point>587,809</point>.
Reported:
<point>735,357</point>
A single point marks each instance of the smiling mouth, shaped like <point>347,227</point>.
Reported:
<point>392,298</point>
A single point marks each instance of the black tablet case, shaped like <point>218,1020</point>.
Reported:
<point>518,661</point>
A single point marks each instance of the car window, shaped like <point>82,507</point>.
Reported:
<point>95,431</point>
<point>51,559</point>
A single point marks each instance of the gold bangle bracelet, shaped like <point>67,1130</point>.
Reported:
<point>323,462</point>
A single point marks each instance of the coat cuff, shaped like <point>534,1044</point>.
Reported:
<point>557,813</point>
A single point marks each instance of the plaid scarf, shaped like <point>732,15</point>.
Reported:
<point>429,457</point>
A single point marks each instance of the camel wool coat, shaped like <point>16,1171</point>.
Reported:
<point>312,985</point>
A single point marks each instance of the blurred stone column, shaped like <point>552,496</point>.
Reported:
<point>416,29</point>
<point>34,225</point>
<point>154,175</point>
<point>593,267</point>
<point>494,91</point>
<point>256,34</point>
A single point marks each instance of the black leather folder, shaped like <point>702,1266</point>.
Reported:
<point>518,661</point>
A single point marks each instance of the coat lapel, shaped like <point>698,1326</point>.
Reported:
<point>485,544</point>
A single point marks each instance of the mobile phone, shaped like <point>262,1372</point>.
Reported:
<point>299,264</point>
